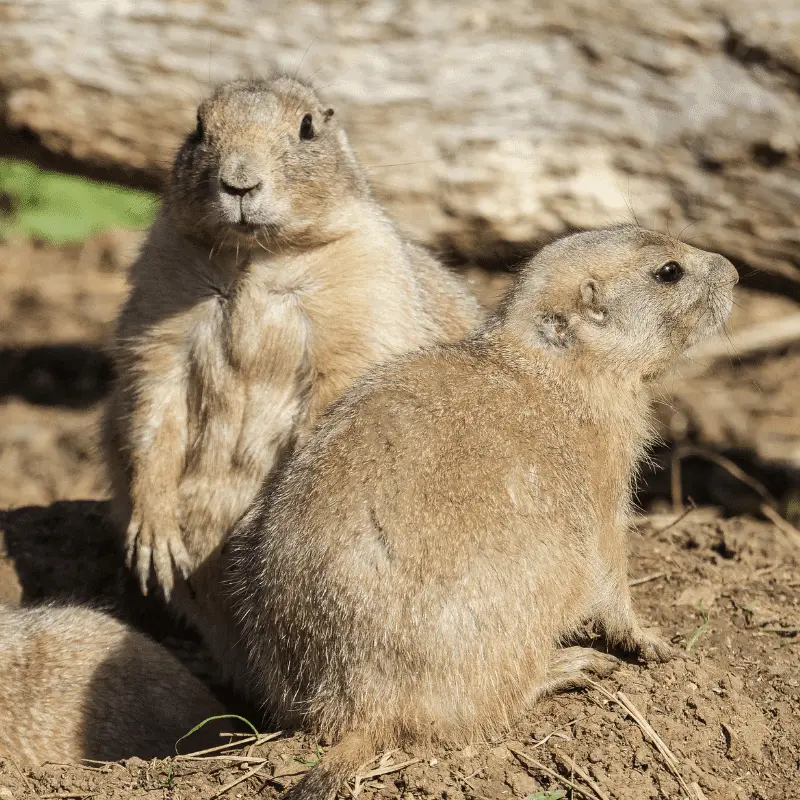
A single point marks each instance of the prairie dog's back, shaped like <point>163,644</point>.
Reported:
<point>412,497</point>
<point>76,684</point>
<point>463,509</point>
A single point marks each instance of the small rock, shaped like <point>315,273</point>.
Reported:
<point>700,597</point>
<point>290,768</point>
<point>599,774</point>
<point>468,752</point>
<point>500,752</point>
<point>595,755</point>
<point>523,784</point>
<point>643,756</point>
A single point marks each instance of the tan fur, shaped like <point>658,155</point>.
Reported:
<point>76,683</point>
<point>462,511</point>
<point>236,337</point>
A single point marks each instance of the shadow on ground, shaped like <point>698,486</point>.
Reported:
<point>63,375</point>
<point>708,483</point>
<point>70,552</point>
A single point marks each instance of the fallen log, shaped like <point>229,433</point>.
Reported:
<point>486,129</point>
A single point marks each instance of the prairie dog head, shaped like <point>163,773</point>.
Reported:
<point>628,299</point>
<point>266,163</point>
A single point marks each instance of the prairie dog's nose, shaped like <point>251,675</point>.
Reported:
<point>238,178</point>
<point>239,187</point>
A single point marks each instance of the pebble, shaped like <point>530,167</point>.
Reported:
<point>643,756</point>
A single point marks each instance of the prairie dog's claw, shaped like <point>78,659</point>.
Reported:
<point>180,556</point>
<point>162,565</point>
<point>159,551</point>
<point>143,553</point>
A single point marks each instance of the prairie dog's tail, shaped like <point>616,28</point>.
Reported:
<point>341,761</point>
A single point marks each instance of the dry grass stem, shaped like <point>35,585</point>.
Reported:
<point>247,739</point>
<point>769,503</point>
<point>529,762</point>
<point>570,764</point>
<point>376,773</point>
<point>730,467</point>
<point>779,522</point>
<point>382,769</point>
<point>230,759</point>
<point>647,579</point>
<point>238,780</point>
<point>698,792</point>
<point>682,514</point>
<point>556,731</point>
<point>67,795</point>
<point>669,757</point>
<point>24,779</point>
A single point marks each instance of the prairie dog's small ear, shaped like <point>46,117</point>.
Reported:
<point>327,114</point>
<point>592,302</point>
<point>552,330</point>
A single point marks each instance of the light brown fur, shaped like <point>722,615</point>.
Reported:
<point>76,683</point>
<point>462,511</point>
<point>235,337</point>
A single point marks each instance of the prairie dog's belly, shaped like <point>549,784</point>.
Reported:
<point>246,396</point>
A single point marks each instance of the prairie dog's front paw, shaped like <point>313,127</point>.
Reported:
<point>158,547</point>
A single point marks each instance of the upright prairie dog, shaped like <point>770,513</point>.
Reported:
<point>462,511</point>
<point>269,282</point>
<point>76,683</point>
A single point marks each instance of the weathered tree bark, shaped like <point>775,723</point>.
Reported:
<point>487,128</point>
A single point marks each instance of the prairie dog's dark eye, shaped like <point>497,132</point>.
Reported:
<point>200,130</point>
<point>307,128</point>
<point>671,272</point>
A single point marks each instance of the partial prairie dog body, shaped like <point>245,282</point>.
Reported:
<point>270,281</point>
<point>77,684</point>
<point>462,511</point>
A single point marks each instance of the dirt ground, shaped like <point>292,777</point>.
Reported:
<point>723,583</point>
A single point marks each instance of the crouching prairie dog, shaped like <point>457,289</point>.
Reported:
<point>77,684</point>
<point>463,511</point>
<point>269,282</point>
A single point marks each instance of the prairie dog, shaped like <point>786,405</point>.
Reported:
<point>463,510</point>
<point>76,683</point>
<point>269,282</point>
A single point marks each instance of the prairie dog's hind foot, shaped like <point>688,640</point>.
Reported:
<point>645,644</point>
<point>620,625</point>
<point>573,668</point>
<point>650,647</point>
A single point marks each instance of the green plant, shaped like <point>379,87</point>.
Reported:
<point>169,781</point>
<point>700,631</point>
<point>556,795</point>
<point>60,208</point>
<point>211,719</point>
<point>311,763</point>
